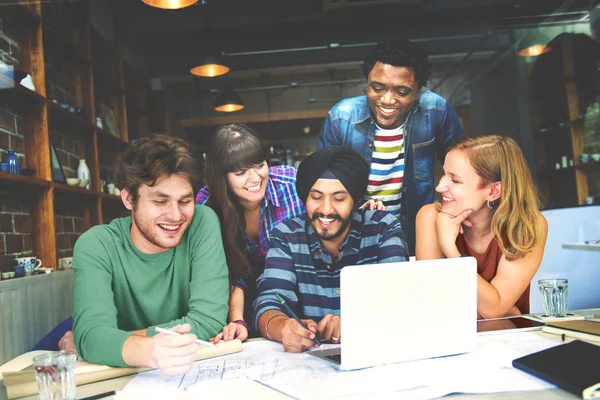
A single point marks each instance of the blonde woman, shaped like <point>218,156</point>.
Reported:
<point>489,210</point>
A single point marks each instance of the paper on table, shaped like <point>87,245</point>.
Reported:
<point>22,383</point>
<point>487,369</point>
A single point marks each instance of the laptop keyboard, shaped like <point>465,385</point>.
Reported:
<point>335,357</point>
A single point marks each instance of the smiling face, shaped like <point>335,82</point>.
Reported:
<point>329,207</point>
<point>249,185</point>
<point>161,214</point>
<point>462,188</point>
<point>391,93</point>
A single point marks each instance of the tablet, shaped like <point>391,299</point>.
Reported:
<point>509,323</point>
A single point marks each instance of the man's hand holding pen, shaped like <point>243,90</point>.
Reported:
<point>295,338</point>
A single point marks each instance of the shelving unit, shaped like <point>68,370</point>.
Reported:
<point>556,137</point>
<point>70,63</point>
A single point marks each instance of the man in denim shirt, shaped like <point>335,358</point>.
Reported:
<point>397,127</point>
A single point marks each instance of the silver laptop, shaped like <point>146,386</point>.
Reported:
<point>405,311</point>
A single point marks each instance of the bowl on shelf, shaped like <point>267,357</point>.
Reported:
<point>83,182</point>
<point>73,181</point>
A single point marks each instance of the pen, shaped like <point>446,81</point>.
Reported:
<point>292,314</point>
<point>170,332</point>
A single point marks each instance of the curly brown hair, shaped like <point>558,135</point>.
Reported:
<point>148,159</point>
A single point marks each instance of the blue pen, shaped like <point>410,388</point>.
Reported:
<point>292,314</point>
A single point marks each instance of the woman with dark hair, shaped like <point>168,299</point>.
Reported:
<point>250,199</point>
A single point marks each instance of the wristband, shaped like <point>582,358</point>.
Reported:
<point>241,322</point>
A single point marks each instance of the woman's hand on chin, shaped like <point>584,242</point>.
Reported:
<point>448,228</point>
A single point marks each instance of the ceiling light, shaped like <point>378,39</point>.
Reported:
<point>533,44</point>
<point>228,101</point>
<point>210,66</point>
<point>170,4</point>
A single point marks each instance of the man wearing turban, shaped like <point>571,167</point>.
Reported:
<point>306,255</point>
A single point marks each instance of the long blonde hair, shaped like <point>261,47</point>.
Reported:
<point>515,219</point>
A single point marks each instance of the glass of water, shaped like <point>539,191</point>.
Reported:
<point>55,375</point>
<point>555,296</point>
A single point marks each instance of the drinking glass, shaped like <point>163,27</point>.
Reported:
<point>555,296</point>
<point>55,375</point>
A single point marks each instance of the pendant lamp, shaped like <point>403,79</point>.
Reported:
<point>228,101</point>
<point>533,44</point>
<point>170,4</point>
<point>210,66</point>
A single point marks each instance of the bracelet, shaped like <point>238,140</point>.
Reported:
<point>241,322</point>
<point>267,324</point>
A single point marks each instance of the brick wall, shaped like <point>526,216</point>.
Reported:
<point>70,224</point>
<point>15,227</point>
<point>11,132</point>
<point>9,43</point>
<point>66,151</point>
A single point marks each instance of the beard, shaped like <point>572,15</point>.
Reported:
<point>330,234</point>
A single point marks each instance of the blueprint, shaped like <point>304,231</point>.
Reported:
<point>487,369</point>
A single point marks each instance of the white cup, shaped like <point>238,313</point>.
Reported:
<point>29,263</point>
<point>111,188</point>
<point>65,263</point>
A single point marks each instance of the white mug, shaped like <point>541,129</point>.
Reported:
<point>65,263</point>
<point>29,263</point>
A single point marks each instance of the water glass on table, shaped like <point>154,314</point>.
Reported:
<point>55,375</point>
<point>555,297</point>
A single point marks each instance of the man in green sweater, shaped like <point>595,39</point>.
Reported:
<point>164,266</point>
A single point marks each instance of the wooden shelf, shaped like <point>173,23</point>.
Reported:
<point>87,71</point>
<point>66,121</point>
<point>110,197</point>
<point>63,187</point>
<point>24,180</point>
<point>110,138</point>
<point>591,166</point>
<point>20,93</point>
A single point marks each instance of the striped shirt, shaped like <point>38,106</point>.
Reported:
<point>299,269</point>
<point>387,168</point>
<point>281,202</point>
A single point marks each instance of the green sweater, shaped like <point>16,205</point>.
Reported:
<point>119,289</point>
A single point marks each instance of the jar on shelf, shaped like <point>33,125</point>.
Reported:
<point>83,172</point>
<point>14,165</point>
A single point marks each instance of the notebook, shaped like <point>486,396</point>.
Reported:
<point>573,367</point>
<point>586,330</point>
<point>427,308</point>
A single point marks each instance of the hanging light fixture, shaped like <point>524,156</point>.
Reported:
<point>228,101</point>
<point>170,4</point>
<point>533,44</point>
<point>210,66</point>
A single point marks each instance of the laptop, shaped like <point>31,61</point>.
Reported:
<point>405,311</point>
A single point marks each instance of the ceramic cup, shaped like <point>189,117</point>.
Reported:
<point>585,158</point>
<point>65,263</point>
<point>5,275</point>
<point>596,157</point>
<point>29,263</point>
<point>111,188</point>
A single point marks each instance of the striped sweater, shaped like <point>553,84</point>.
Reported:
<point>299,269</point>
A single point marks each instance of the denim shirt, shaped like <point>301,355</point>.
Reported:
<point>431,127</point>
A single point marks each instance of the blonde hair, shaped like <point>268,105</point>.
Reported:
<point>515,220</point>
